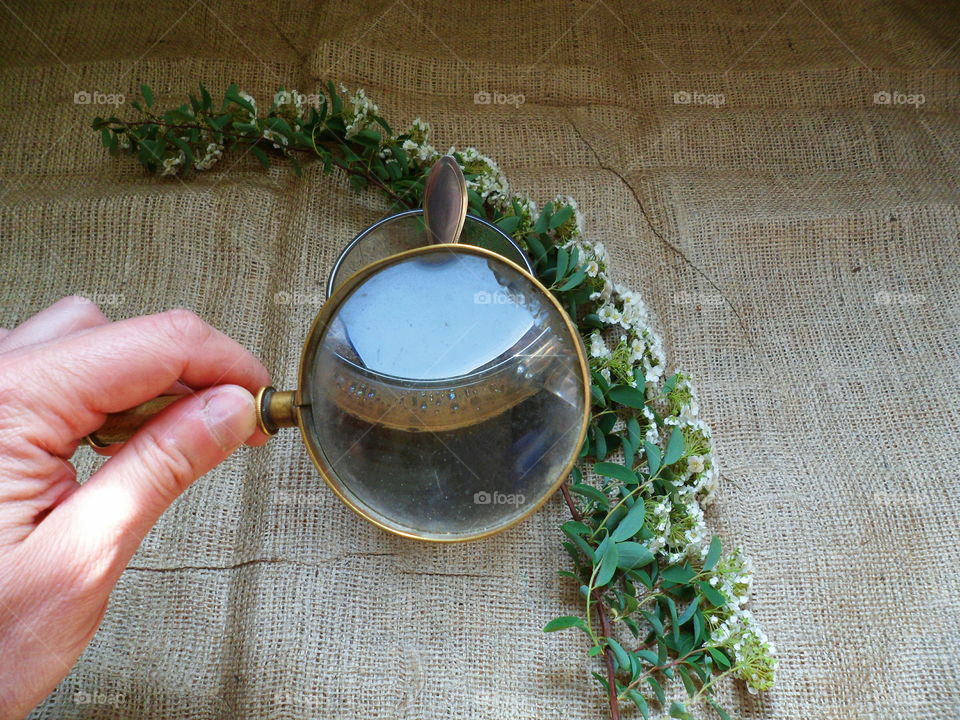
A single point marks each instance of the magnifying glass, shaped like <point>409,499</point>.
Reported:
<point>443,391</point>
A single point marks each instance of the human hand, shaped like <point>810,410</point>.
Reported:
<point>63,545</point>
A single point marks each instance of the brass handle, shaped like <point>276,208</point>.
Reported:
<point>275,409</point>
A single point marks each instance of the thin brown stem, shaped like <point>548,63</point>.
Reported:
<point>573,508</point>
<point>608,656</point>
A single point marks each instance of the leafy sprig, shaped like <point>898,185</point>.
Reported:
<point>660,600</point>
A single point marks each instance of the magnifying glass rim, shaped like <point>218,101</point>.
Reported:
<point>319,325</point>
<point>528,266</point>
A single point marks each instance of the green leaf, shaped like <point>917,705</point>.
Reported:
<point>697,627</point>
<point>653,457</point>
<point>629,396</point>
<point>564,214</point>
<point>336,102</point>
<point>640,702</point>
<point>657,690</point>
<point>670,384</point>
<point>654,623</point>
<point>147,95</point>
<point>616,470</point>
<point>631,524</point>
<point>679,574</point>
<point>590,492</point>
<point>564,622</point>
<point>576,527</point>
<point>675,447</point>
<point>562,258</point>
<point>713,554</point>
<point>649,656</point>
<point>633,431</point>
<point>573,280</point>
<point>260,155</point>
<point>278,124</point>
<point>719,657</point>
<point>185,148</point>
<point>582,544</point>
<point>679,711</point>
<point>369,137</point>
<point>543,222</point>
<point>599,443</point>
<point>716,598</point>
<point>688,613</point>
<point>608,563</point>
<point>233,95</point>
<point>623,660</point>
<point>718,709</point>
<point>536,247</point>
<point>674,624</point>
<point>508,224</point>
<point>633,555</point>
<point>687,681</point>
<point>596,396</point>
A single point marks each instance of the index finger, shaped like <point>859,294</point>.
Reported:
<point>74,381</point>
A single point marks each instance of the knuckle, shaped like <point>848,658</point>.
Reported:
<point>171,469</point>
<point>181,324</point>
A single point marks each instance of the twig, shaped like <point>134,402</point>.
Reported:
<point>608,656</point>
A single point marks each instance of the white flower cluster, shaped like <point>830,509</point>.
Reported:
<point>362,112</point>
<point>172,164</point>
<point>213,153</point>
<point>489,183</point>
<point>417,145</point>
<point>628,350</point>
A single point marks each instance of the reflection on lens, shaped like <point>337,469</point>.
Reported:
<point>446,394</point>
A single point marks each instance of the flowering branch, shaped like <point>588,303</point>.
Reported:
<point>638,539</point>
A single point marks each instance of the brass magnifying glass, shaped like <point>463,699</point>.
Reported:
<point>443,392</point>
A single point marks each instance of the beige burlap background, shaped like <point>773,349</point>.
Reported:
<point>797,239</point>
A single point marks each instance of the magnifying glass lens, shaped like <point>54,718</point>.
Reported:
<point>443,397</point>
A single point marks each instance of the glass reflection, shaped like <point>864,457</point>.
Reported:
<point>446,394</point>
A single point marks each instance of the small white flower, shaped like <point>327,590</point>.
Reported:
<point>609,314</point>
<point>592,268</point>
<point>598,348</point>
<point>695,464</point>
<point>171,165</point>
<point>250,99</point>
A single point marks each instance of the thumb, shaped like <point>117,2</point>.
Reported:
<point>106,518</point>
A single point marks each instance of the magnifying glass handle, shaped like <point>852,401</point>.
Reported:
<point>275,409</point>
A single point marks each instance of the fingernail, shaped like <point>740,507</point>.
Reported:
<point>228,412</point>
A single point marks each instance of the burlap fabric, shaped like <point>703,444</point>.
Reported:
<point>796,234</point>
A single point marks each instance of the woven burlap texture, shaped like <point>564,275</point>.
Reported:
<point>795,234</point>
